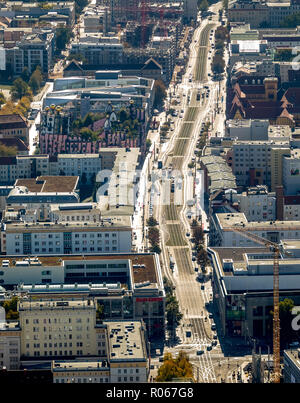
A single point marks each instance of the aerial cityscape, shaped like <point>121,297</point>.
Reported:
<point>150,193</point>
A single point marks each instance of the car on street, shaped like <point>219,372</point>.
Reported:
<point>187,234</point>
<point>202,287</point>
<point>200,352</point>
<point>213,326</point>
<point>214,343</point>
<point>210,316</point>
<point>209,348</point>
<point>193,259</point>
<point>215,337</point>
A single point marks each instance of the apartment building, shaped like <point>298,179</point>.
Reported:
<point>256,203</point>
<point>126,360</point>
<point>39,193</point>
<point>252,161</point>
<point>22,11</point>
<point>222,230</point>
<point>86,212</point>
<point>261,13</point>
<point>111,235</point>
<point>57,328</point>
<point>14,125</point>
<point>291,172</point>
<point>34,49</point>
<point>101,51</point>
<point>9,343</point>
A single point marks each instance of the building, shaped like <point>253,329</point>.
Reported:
<point>261,14</point>
<point>39,193</point>
<point>111,235</point>
<point>9,343</point>
<point>87,212</point>
<point>190,10</point>
<point>126,358</point>
<point>291,366</point>
<point>14,126</point>
<point>97,19</point>
<point>34,49</point>
<point>149,69</point>
<point>127,286</point>
<point>247,129</point>
<point>290,172</point>
<point>100,51</point>
<point>222,230</point>
<point>57,328</point>
<point>25,13</point>
<point>243,290</point>
<point>256,203</point>
<point>217,174</point>
<point>96,371</point>
<point>252,161</point>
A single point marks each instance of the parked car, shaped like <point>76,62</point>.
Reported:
<point>200,352</point>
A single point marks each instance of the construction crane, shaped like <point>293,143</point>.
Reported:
<point>276,320</point>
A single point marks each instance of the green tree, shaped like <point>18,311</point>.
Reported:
<point>100,311</point>
<point>168,286</point>
<point>2,99</point>
<point>174,315</point>
<point>152,222</point>
<point>174,368</point>
<point>155,249</point>
<point>287,334</point>
<point>203,5</point>
<point>63,36</point>
<point>225,4</point>
<point>20,89</point>
<point>11,308</point>
<point>25,75</point>
<point>160,93</point>
<point>36,80</point>
<point>291,21</point>
<point>7,151</point>
<point>153,235</point>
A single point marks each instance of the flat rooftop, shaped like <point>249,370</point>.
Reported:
<point>228,220</point>
<point>143,264</point>
<point>108,224</point>
<point>126,341</point>
<point>49,184</point>
<point>78,304</point>
<point>237,255</point>
<point>62,366</point>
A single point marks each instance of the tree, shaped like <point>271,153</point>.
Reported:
<point>155,249</point>
<point>63,36</point>
<point>198,234</point>
<point>36,80</point>
<point>168,286</point>
<point>202,258</point>
<point>174,315</point>
<point>151,222</point>
<point>25,75</point>
<point>11,308</point>
<point>291,21</point>
<point>153,235</point>
<point>7,151</point>
<point>225,4</point>
<point>2,99</point>
<point>100,311</point>
<point>160,93</point>
<point>20,89</point>
<point>287,334</point>
<point>203,5</point>
<point>174,368</point>
<point>148,144</point>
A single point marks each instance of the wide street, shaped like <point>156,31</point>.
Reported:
<point>175,211</point>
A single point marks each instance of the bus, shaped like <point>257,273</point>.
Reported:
<point>172,263</point>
